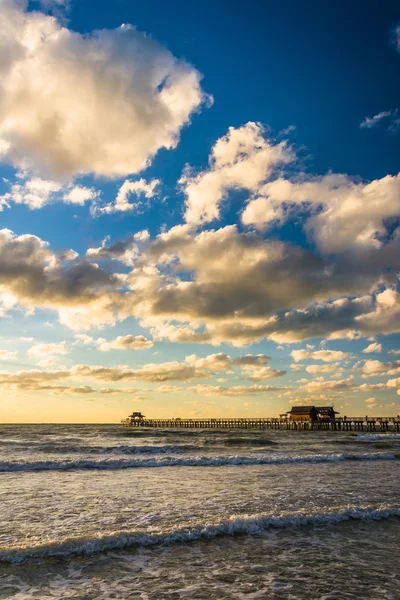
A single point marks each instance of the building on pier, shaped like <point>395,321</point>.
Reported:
<point>313,414</point>
<point>136,416</point>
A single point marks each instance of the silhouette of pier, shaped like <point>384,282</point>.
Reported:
<point>378,424</point>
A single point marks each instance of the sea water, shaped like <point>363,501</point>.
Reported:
<point>101,511</point>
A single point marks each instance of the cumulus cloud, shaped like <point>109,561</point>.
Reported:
<point>79,194</point>
<point>324,355</point>
<point>254,366</point>
<point>341,214</point>
<point>385,317</point>
<point>371,387</point>
<point>125,251</point>
<point>126,342</point>
<point>32,275</point>
<point>373,347</point>
<point>371,402</point>
<point>256,289</point>
<point>193,367</point>
<point>257,368</point>
<point>394,383</point>
<point>372,368</point>
<point>169,371</point>
<point>251,361</point>
<point>214,362</point>
<point>102,103</point>
<point>7,355</point>
<point>153,373</point>
<point>46,381</point>
<point>128,188</point>
<point>321,385</point>
<point>265,373</point>
<point>242,159</point>
<point>44,350</point>
<point>36,193</point>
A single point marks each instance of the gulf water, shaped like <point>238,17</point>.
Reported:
<point>100,511</point>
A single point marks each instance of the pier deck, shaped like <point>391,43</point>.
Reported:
<point>378,424</point>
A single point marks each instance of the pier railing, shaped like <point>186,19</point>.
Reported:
<point>382,424</point>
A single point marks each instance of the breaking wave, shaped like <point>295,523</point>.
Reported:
<point>196,461</point>
<point>246,524</point>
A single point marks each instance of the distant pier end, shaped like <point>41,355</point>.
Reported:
<point>298,418</point>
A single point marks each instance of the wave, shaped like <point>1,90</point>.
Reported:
<point>196,461</point>
<point>53,448</point>
<point>246,524</point>
<point>123,449</point>
<point>377,437</point>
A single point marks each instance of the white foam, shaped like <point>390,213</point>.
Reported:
<point>246,524</point>
<point>196,461</point>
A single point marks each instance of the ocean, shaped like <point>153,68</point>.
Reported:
<point>100,511</point>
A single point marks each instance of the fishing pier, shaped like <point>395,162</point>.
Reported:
<point>289,421</point>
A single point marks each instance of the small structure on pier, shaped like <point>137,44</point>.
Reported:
<point>313,414</point>
<point>137,416</point>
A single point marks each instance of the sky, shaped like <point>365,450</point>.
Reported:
<point>200,208</point>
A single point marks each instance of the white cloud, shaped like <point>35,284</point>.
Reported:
<point>79,195</point>
<point>257,368</point>
<point>242,159</point>
<point>214,362</point>
<point>237,296</point>
<point>126,342</point>
<point>34,192</point>
<point>265,373</point>
<point>394,383</point>
<point>254,366</point>
<point>324,355</point>
<point>44,350</point>
<point>370,122</point>
<point>322,385</point>
<point>374,347</point>
<point>342,214</point>
<point>37,192</point>
<point>377,368</point>
<point>7,355</point>
<point>385,318</point>
<point>152,373</point>
<point>104,102</point>
<point>83,338</point>
<point>129,188</point>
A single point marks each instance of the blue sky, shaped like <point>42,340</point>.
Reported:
<point>200,209</point>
